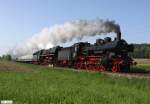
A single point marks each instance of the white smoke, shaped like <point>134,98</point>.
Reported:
<point>57,34</point>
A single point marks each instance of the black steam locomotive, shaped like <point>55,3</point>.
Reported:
<point>105,54</point>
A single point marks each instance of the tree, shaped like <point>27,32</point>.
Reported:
<point>7,57</point>
<point>141,51</point>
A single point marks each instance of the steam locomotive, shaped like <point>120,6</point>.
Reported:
<point>105,54</point>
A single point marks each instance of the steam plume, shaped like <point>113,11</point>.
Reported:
<point>52,36</point>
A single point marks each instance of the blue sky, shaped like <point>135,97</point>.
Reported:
<point>20,19</point>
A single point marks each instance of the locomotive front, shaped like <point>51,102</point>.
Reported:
<point>106,55</point>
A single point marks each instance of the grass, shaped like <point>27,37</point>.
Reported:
<point>141,68</point>
<point>143,65</point>
<point>43,85</point>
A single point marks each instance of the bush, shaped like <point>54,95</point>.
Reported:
<point>6,57</point>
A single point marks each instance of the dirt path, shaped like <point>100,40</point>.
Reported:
<point>12,66</point>
<point>142,61</point>
<point>129,75</point>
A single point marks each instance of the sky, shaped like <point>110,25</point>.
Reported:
<point>21,19</point>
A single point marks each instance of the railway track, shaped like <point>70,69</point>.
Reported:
<point>129,75</point>
<point>145,75</point>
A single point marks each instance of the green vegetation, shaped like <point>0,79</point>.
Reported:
<point>141,68</point>
<point>6,57</point>
<point>44,85</point>
<point>141,51</point>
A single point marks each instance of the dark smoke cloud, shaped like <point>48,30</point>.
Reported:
<point>57,34</point>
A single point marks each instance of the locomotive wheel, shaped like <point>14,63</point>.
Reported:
<point>89,67</point>
<point>115,68</point>
<point>81,66</point>
<point>97,68</point>
<point>102,68</point>
<point>92,67</point>
<point>78,66</point>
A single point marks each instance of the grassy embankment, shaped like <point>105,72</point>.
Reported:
<point>42,85</point>
<point>143,65</point>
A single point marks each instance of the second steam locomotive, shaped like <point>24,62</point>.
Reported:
<point>105,54</point>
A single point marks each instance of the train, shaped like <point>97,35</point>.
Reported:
<point>104,55</point>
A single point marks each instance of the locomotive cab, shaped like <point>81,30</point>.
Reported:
<point>99,42</point>
<point>78,48</point>
<point>107,39</point>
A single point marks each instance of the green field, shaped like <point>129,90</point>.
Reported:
<point>43,85</point>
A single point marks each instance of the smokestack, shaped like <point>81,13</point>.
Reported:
<point>118,36</point>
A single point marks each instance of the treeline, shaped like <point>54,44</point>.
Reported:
<point>141,51</point>
<point>6,57</point>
